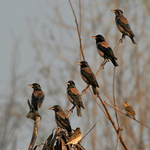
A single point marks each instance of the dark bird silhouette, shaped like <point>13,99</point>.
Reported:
<point>123,24</point>
<point>37,96</point>
<point>130,111</point>
<point>104,49</point>
<point>75,137</point>
<point>74,97</point>
<point>61,118</point>
<point>88,76</point>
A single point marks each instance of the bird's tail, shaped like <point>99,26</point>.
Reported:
<point>114,62</point>
<point>81,104</point>
<point>132,38</point>
<point>95,91</point>
<point>79,113</point>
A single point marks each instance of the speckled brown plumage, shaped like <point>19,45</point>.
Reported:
<point>130,111</point>
<point>75,137</point>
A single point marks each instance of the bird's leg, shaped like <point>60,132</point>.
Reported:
<point>123,36</point>
<point>103,63</point>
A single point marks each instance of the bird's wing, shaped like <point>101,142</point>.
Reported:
<point>61,117</point>
<point>74,97</point>
<point>38,94</point>
<point>88,74</point>
<point>131,110</point>
<point>74,93</point>
<point>106,49</point>
<point>123,22</point>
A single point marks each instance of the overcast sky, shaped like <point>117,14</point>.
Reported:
<point>13,16</point>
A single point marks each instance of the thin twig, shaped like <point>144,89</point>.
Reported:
<point>118,138</point>
<point>79,34</point>
<point>98,103</point>
<point>80,24</point>
<point>120,41</point>
<point>89,131</point>
<point>70,111</point>
<point>114,98</point>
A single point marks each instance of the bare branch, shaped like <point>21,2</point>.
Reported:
<point>35,132</point>
<point>79,33</point>
<point>89,131</point>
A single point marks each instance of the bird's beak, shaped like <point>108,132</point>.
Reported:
<point>51,108</point>
<point>30,85</point>
<point>113,11</point>
<point>94,37</point>
<point>125,104</point>
<point>79,64</point>
<point>68,83</point>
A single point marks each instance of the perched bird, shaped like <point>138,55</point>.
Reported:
<point>129,110</point>
<point>88,76</point>
<point>37,96</point>
<point>75,137</point>
<point>104,49</point>
<point>61,118</point>
<point>74,97</point>
<point>123,24</point>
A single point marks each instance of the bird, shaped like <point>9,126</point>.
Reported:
<point>61,119</point>
<point>38,95</point>
<point>130,111</point>
<point>123,24</point>
<point>104,49</point>
<point>75,137</point>
<point>74,97</point>
<point>88,76</point>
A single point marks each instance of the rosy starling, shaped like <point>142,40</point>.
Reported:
<point>88,76</point>
<point>61,118</point>
<point>129,110</point>
<point>75,137</point>
<point>104,49</point>
<point>123,25</point>
<point>37,96</point>
<point>74,97</point>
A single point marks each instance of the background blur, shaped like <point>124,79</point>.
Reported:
<point>39,43</point>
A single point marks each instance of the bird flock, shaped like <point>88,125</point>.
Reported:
<point>88,76</point>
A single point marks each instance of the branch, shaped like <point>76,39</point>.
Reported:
<point>119,132</point>
<point>79,33</point>
<point>114,97</point>
<point>35,132</point>
<point>98,103</point>
<point>89,131</point>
